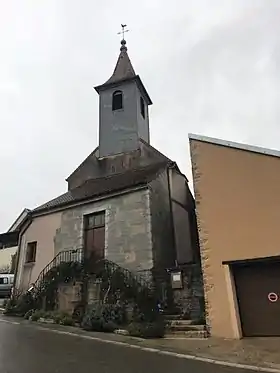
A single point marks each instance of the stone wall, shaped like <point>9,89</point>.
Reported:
<point>127,229</point>
<point>190,299</point>
<point>69,295</point>
<point>202,233</point>
<point>94,291</point>
<point>161,219</point>
<point>185,228</point>
<point>183,236</point>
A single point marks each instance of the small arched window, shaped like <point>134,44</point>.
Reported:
<point>117,100</point>
<point>142,107</point>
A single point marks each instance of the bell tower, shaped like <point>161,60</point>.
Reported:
<point>123,109</point>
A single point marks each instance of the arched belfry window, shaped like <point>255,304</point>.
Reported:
<point>117,100</point>
<point>142,107</point>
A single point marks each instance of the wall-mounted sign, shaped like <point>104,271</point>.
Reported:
<point>176,280</point>
<point>273,297</point>
<point>176,277</point>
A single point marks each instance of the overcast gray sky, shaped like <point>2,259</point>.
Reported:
<point>210,66</point>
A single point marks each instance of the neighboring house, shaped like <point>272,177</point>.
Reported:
<point>6,258</point>
<point>126,202</point>
<point>238,211</point>
<point>9,244</point>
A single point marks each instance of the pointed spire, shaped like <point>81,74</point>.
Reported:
<point>124,69</point>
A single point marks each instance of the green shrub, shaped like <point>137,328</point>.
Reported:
<point>37,315</point>
<point>28,314</point>
<point>62,318</point>
<point>25,303</point>
<point>109,327</point>
<point>67,321</point>
<point>114,313</point>
<point>103,317</point>
<point>58,316</point>
<point>147,330</point>
<point>135,329</point>
<point>20,305</point>
<point>10,307</point>
<point>94,324</point>
<point>100,325</point>
<point>78,313</point>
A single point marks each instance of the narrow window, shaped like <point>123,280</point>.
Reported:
<point>117,102</point>
<point>31,252</point>
<point>142,107</point>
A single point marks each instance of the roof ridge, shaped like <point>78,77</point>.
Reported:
<point>83,162</point>
<point>130,170</point>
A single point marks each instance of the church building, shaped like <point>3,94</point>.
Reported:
<point>126,202</point>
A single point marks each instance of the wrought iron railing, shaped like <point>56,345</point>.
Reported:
<point>112,267</point>
<point>65,256</point>
<point>97,269</point>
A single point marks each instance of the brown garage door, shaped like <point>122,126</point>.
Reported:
<point>258,293</point>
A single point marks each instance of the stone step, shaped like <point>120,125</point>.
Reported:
<point>180,322</point>
<point>179,327</point>
<point>187,334</point>
<point>173,317</point>
<point>177,317</point>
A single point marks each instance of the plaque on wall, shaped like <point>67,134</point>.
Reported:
<point>176,280</point>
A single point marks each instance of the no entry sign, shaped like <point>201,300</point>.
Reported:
<point>272,297</point>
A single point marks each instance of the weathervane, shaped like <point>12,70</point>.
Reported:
<point>123,31</point>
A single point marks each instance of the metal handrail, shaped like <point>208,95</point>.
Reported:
<point>77,255</point>
<point>62,256</point>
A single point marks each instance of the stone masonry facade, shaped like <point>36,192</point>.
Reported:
<point>190,299</point>
<point>128,238</point>
<point>203,234</point>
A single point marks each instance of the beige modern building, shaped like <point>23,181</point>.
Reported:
<point>237,193</point>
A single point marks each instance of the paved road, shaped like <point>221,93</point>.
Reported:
<point>27,349</point>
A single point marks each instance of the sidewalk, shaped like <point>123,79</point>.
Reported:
<point>260,352</point>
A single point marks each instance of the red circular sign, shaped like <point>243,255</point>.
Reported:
<point>272,297</point>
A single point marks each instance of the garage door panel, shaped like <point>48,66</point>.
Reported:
<point>259,315</point>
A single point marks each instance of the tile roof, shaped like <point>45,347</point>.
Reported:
<point>105,185</point>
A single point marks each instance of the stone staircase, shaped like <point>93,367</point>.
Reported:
<point>179,328</point>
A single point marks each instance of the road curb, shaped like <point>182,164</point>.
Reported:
<point>168,353</point>
<point>155,350</point>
